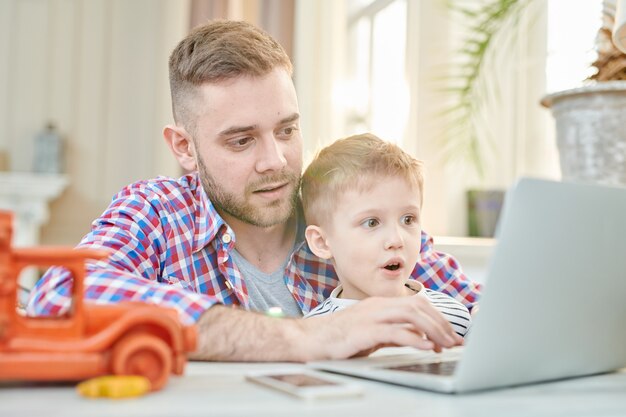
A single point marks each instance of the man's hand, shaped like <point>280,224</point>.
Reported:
<point>231,334</point>
<point>378,322</point>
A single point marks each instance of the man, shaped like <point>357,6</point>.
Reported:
<point>230,233</point>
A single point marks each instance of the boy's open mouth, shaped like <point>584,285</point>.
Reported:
<point>392,266</point>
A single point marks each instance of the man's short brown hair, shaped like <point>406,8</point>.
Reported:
<point>217,51</point>
<point>356,162</point>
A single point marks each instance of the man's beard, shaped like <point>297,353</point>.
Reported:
<point>277,212</point>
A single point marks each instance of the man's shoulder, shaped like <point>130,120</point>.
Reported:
<point>173,198</point>
<point>310,264</point>
<point>162,185</point>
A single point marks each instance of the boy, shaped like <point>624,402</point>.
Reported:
<point>362,200</point>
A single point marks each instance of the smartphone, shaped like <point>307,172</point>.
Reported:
<point>306,384</point>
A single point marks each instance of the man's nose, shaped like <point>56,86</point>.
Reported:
<point>271,155</point>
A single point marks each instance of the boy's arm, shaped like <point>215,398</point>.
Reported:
<point>441,272</point>
<point>454,311</point>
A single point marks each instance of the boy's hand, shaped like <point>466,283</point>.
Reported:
<point>377,322</point>
<point>474,310</point>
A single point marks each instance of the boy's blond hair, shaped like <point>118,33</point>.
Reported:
<point>356,162</point>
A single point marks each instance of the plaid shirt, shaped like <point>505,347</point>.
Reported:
<point>170,247</point>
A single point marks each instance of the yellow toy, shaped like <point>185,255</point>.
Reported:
<point>114,386</point>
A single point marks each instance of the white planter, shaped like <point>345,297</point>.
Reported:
<point>591,132</point>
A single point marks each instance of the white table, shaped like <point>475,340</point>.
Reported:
<point>219,389</point>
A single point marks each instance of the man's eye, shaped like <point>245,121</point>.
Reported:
<point>241,142</point>
<point>288,131</point>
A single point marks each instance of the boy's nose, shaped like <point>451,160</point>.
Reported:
<point>272,157</point>
<point>394,239</point>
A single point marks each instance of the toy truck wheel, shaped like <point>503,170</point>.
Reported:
<point>144,355</point>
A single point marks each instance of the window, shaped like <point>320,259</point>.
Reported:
<point>376,94</point>
<point>571,42</point>
<point>373,65</point>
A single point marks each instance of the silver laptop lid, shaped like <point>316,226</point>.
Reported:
<point>560,264</point>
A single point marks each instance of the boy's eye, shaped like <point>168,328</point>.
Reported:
<point>408,220</point>
<point>369,223</point>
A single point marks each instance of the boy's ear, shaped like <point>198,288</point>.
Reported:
<point>316,239</point>
<point>182,146</point>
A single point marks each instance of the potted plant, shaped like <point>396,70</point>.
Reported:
<point>588,149</point>
<point>590,120</point>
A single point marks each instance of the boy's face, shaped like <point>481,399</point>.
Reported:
<point>374,239</point>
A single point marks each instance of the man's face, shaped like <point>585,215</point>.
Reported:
<point>375,238</point>
<point>249,148</point>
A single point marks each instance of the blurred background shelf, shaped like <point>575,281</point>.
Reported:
<point>28,196</point>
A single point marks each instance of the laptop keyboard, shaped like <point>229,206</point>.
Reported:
<point>436,368</point>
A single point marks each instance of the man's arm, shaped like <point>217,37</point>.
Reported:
<point>441,272</point>
<point>229,334</point>
<point>134,230</point>
<point>52,294</point>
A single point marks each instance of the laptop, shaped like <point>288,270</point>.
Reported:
<point>553,305</point>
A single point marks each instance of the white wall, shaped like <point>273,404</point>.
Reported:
<point>98,70</point>
<point>318,68</point>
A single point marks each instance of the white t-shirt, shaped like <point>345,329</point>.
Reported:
<point>455,312</point>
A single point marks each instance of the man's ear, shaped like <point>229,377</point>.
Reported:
<point>182,146</point>
<point>316,239</point>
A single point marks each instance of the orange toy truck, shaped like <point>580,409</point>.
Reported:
<point>89,340</point>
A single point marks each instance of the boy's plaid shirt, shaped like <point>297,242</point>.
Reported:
<point>170,247</point>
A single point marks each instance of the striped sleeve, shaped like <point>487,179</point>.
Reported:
<point>456,313</point>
